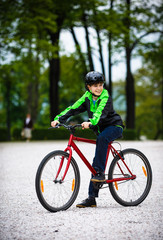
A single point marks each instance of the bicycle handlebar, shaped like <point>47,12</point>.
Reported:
<point>70,127</point>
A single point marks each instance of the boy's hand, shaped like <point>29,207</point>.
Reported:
<point>85,125</point>
<point>54,123</point>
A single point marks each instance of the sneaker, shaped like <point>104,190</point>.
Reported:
<point>99,177</point>
<point>89,202</point>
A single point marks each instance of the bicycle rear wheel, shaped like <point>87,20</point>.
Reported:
<point>53,193</point>
<point>130,192</point>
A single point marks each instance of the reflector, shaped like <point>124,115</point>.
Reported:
<point>73,184</point>
<point>42,186</point>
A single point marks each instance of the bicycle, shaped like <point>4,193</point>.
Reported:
<point>58,178</point>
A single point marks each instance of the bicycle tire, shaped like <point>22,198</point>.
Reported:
<point>55,195</point>
<point>131,192</point>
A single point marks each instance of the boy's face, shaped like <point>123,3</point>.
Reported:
<point>96,88</point>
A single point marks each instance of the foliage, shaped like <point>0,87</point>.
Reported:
<point>19,84</point>
<point>148,86</point>
<point>63,134</point>
<point>53,134</point>
<point>71,85</point>
<point>130,134</point>
<point>30,33</point>
<point>11,94</point>
<point>3,134</point>
<point>149,117</point>
<point>148,110</point>
<point>119,99</point>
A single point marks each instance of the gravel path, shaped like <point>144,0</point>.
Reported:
<point>23,218</point>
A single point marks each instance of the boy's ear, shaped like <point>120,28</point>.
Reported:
<point>88,86</point>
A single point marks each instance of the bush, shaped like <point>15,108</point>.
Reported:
<point>129,134</point>
<point>16,134</point>
<point>63,134</point>
<point>53,134</point>
<point>59,134</point>
<point>86,133</point>
<point>3,134</point>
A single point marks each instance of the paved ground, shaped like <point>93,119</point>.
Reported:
<point>23,218</point>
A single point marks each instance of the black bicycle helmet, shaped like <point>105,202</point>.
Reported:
<point>94,77</point>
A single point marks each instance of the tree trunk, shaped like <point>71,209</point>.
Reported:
<point>110,64</point>
<point>130,88</point>
<point>97,29</point>
<point>130,92</point>
<point>100,50</point>
<point>33,88</point>
<point>89,52</point>
<point>162,108</point>
<point>158,129</point>
<point>110,56</point>
<point>30,97</point>
<point>78,49</point>
<point>8,110</point>
<point>35,97</point>
<point>54,76</point>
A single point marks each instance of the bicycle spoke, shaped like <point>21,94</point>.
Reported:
<point>53,193</point>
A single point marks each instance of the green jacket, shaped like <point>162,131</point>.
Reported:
<point>101,114</point>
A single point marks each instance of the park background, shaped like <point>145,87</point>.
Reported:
<point>47,47</point>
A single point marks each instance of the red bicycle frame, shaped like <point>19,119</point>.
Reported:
<point>71,144</point>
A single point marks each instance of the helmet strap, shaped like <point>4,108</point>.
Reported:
<point>93,93</point>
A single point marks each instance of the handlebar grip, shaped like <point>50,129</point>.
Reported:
<point>70,126</point>
<point>57,126</point>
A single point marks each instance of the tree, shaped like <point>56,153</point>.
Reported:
<point>6,85</point>
<point>149,79</point>
<point>33,30</point>
<point>110,36</point>
<point>71,85</point>
<point>20,37</point>
<point>88,16</point>
<point>38,24</point>
<point>80,54</point>
<point>11,105</point>
<point>137,21</point>
<point>19,82</point>
<point>148,99</point>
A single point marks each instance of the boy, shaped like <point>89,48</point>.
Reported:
<point>106,122</point>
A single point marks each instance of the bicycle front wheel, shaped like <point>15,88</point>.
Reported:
<point>53,193</point>
<point>130,192</point>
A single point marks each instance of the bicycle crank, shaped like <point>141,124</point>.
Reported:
<point>97,185</point>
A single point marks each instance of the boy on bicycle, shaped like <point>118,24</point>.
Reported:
<point>105,121</point>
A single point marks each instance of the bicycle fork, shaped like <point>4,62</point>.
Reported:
<point>72,145</point>
<point>61,164</point>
